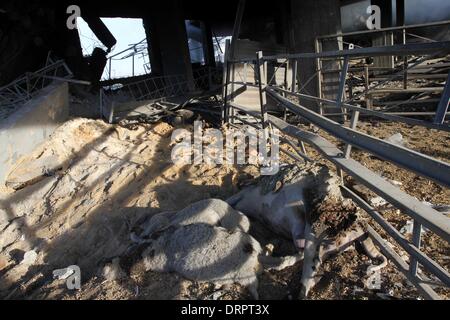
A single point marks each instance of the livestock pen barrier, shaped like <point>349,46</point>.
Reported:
<point>273,114</point>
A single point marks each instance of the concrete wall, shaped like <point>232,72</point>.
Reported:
<point>31,124</point>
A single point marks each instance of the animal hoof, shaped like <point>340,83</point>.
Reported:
<point>303,293</point>
<point>300,244</point>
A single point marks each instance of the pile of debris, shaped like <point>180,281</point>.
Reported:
<point>96,196</point>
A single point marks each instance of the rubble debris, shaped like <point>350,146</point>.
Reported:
<point>112,271</point>
<point>396,139</point>
<point>3,262</point>
<point>92,181</point>
<point>378,202</point>
<point>29,258</point>
<point>207,241</point>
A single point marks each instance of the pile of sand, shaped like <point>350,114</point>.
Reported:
<point>74,199</point>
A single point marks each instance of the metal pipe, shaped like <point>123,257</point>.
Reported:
<point>383,115</point>
<point>395,50</point>
<point>423,288</point>
<point>413,251</point>
<point>413,26</point>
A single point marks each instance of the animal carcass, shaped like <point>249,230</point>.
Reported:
<point>207,241</point>
<point>305,204</point>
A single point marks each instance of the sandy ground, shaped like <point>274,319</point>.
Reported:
<point>97,180</point>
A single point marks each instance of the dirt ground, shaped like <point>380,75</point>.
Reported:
<point>96,180</point>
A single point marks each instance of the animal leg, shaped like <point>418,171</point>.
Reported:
<point>316,251</point>
<point>275,263</point>
<point>311,261</point>
<point>340,244</point>
<point>374,254</point>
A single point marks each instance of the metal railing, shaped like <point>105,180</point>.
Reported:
<point>25,88</point>
<point>327,74</point>
<point>417,163</point>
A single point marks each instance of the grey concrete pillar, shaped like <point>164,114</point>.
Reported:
<point>400,12</point>
<point>387,38</point>
<point>208,46</point>
<point>168,42</point>
<point>309,20</point>
<point>386,12</point>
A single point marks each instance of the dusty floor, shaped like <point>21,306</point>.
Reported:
<point>97,180</point>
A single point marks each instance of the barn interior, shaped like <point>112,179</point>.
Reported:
<point>353,94</point>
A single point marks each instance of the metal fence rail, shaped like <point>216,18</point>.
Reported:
<point>378,114</point>
<point>438,171</point>
<point>414,161</point>
<point>25,88</point>
<point>380,68</point>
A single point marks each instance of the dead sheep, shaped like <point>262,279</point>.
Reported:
<point>305,204</point>
<point>207,241</point>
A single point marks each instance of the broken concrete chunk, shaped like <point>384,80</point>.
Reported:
<point>29,258</point>
<point>30,172</point>
<point>202,252</point>
<point>3,262</point>
<point>378,202</point>
<point>112,271</point>
<point>396,139</point>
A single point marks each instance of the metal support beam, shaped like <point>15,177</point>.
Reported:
<point>262,78</point>
<point>429,217</point>
<point>400,50</point>
<point>443,104</point>
<point>423,288</point>
<point>341,92</point>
